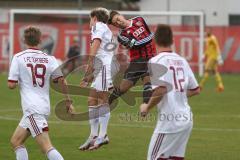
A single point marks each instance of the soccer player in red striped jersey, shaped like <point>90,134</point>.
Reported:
<point>134,34</point>
<point>32,70</point>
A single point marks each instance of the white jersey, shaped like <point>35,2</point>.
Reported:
<point>102,32</point>
<point>32,69</point>
<point>174,111</point>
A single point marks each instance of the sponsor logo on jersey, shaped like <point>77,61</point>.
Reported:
<point>138,32</point>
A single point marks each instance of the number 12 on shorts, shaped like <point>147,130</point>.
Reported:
<point>38,72</point>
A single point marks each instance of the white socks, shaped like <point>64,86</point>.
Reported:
<point>93,120</point>
<point>99,116</point>
<point>21,153</point>
<point>53,154</point>
<point>104,116</point>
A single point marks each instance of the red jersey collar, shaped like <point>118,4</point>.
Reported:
<point>33,48</point>
<point>168,51</point>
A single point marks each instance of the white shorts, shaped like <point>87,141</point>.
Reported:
<point>103,79</point>
<point>168,145</point>
<point>35,123</point>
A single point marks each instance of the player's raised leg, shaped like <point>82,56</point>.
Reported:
<point>118,91</point>
<point>17,142</point>
<point>147,88</point>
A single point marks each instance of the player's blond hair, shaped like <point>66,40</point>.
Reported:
<point>102,14</point>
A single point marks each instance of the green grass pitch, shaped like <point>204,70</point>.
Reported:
<point>216,133</point>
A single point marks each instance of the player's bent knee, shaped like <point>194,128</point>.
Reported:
<point>45,147</point>
<point>44,141</point>
<point>15,142</point>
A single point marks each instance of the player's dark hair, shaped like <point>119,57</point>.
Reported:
<point>32,36</point>
<point>163,35</point>
<point>112,14</point>
<point>101,14</point>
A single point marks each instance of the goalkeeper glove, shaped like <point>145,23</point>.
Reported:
<point>220,59</point>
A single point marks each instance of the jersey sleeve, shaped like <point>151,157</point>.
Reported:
<point>14,70</point>
<point>144,40</point>
<point>98,31</point>
<point>56,70</point>
<point>123,38</point>
<point>192,83</point>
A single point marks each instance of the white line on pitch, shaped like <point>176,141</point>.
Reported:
<point>195,115</point>
<point>128,125</point>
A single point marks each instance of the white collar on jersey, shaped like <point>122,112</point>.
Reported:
<point>131,22</point>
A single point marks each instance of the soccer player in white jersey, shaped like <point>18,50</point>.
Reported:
<point>171,92</point>
<point>99,62</point>
<point>32,70</point>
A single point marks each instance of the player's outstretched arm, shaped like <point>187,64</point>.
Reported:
<point>157,95</point>
<point>63,85</point>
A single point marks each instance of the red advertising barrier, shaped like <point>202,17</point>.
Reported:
<point>57,37</point>
<point>4,47</point>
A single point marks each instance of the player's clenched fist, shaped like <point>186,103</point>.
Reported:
<point>144,109</point>
<point>69,106</point>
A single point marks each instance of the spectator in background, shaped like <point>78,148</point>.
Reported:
<point>72,55</point>
<point>213,59</point>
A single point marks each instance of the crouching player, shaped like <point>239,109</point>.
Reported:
<point>170,93</point>
<point>32,70</point>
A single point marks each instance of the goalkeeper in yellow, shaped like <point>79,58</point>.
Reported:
<point>213,59</point>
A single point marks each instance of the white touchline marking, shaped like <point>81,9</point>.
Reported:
<point>117,114</point>
<point>10,110</point>
<point>127,125</point>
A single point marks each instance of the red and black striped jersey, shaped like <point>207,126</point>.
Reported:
<point>138,33</point>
